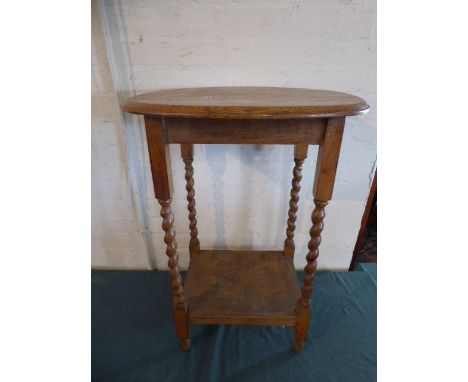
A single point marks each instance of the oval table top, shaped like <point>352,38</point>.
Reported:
<point>246,103</point>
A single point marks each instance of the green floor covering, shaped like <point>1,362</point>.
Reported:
<point>133,336</point>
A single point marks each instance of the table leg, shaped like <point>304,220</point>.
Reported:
<point>162,182</point>
<point>300,154</point>
<point>178,302</point>
<point>187,155</point>
<point>327,162</point>
<point>303,306</point>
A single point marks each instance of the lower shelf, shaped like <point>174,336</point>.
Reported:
<point>242,287</point>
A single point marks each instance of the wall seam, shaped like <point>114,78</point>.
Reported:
<point>137,203</point>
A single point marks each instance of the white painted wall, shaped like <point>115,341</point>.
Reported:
<point>242,191</point>
<point>116,238</point>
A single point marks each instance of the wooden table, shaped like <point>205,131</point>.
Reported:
<point>244,287</point>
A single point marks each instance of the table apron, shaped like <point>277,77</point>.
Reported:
<point>256,131</point>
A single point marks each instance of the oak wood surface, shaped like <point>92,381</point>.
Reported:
<point>179,307</point>
<point>162,181</point>
<point>160,158</point>
<point>242,287</point>
<point>325,171</point>
<point>300,154</point>
<point>246,103</point>
<point>186,151</point>
<point>303,309</point>
<point>327,159</point>
<point>246,131</point>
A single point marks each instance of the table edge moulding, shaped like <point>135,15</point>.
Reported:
<point>243,287</point>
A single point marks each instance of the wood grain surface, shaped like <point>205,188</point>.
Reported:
<point>246,102</point>
<point>242,287</point>
<point>244,131</point>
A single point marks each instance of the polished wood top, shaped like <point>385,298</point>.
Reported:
<point>246,103</point>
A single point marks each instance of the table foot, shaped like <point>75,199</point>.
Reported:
<point>185,344</point>
<point>299,346</point>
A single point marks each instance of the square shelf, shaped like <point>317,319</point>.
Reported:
<point>242,287</point>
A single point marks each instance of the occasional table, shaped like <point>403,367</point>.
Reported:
<point>244,287</point>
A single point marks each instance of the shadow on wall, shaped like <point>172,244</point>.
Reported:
<point>216,157</point>
<point>254,181</point>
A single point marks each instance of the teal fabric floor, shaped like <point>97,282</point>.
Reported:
<point>133,337</point>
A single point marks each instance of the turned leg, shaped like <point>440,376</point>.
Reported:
<point>303,304</point>
<point>187,156</point>
<point>178,302</point>
<point>162,182</point>
<point>327,162</point>
<point>300,153</point>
